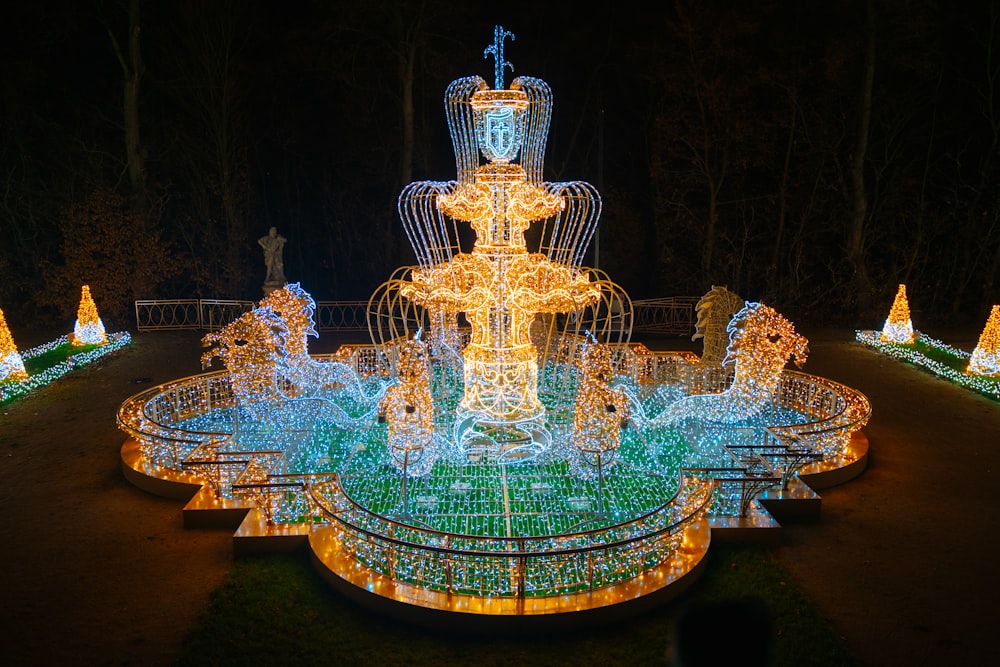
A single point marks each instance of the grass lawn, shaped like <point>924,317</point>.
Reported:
<point>49,358</point>
<point>277,610</point>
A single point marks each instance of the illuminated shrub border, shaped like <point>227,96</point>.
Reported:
<point>11,390</point>
<point>920,354</point>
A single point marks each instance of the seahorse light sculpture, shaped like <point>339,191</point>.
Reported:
<point>296,309</point>
<point>250,347</point>
<point>714,311</point>
<point>600,413</point>
<point>761,343</point>
<point>408,409</point>
<point>985,359</point>
<point>500,286</point>
<point>305,376</point>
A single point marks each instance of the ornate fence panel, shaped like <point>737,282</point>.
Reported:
<point>342,316</point>
<point>173,314</point>
<point>217,313</point>
<point>666,315</point>
<point>211,314</point>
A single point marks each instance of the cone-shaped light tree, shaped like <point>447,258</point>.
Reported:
<point>985,359</point>
<point>11,364</point>
<point>898,327</point>
<point>88,330</point>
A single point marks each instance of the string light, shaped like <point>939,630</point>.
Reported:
<point>985,359</point>
<point>898,328</point>
<point>88,329</point>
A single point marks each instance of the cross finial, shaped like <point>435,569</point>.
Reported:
<point>499,34</point>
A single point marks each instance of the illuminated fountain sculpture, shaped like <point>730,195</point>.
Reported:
<point>500,286</point>
<point>501,447</point>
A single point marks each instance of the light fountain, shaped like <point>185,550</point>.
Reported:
<point>501,450</point>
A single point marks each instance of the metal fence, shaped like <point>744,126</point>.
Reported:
<point>213,314</point>
<point>667,315</point>
<point>672,315</point>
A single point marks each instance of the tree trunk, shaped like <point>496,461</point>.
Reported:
<point>783,192</point>
<point>133,147</point>
<point>132,71</point>
<point>855,249</point>
<point>407,56</point>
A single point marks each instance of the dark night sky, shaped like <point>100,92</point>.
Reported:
<point>255,114</point>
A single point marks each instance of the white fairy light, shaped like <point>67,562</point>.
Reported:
<point>88,329</point>
<point>985,359</point>
<point>898,328</point>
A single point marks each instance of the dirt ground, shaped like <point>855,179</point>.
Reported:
<point>903,560</point>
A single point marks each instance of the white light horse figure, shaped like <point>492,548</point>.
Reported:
<point>304,376</point>
<point>761,343</point>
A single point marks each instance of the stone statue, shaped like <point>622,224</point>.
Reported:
<point>273,244</point>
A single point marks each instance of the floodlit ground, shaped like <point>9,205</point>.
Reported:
<point>94,571</point>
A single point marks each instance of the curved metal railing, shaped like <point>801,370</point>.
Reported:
<point>512,566</point>
<point>153,416</point>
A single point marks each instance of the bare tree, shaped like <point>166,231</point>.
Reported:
<point>133,69</point>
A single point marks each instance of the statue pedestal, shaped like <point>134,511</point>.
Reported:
<point>271,286</point>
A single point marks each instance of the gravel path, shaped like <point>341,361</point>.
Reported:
<point>96,572</point>
<point>904,559</point>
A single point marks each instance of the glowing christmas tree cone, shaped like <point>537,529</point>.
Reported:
<point>898,328</point>
<point>11,364</point>
<point>88,330</point>
<point>985,359</point>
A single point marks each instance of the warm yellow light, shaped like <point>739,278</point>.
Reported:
<point>295,307</point>
<point>408,409</point>
<point>249,347</point>
<point>985,359</point>
<point>88,330</point>
<point>714,311</point>
<point>11,364</point>
<point>600,414</point>
<point>898,328</point>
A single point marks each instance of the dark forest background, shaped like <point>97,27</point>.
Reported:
<point>812,155</point>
